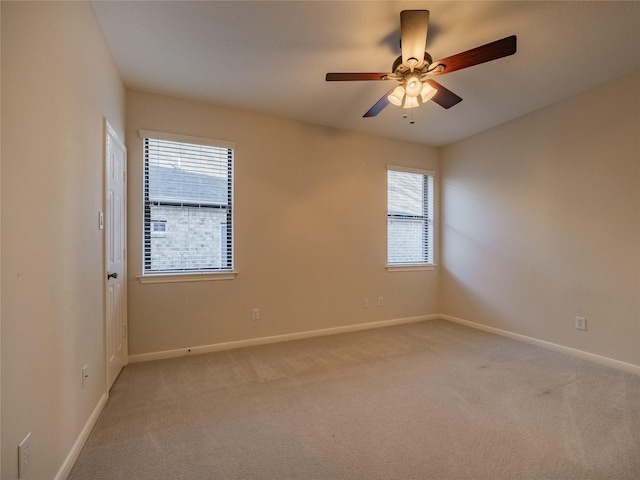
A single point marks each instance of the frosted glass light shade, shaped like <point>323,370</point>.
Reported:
<point>410,102</point>
<point>427,92</point>
<point>413,86</point>
<point>396,96</point>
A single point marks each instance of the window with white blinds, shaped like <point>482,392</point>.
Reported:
<point>409,217</point>
<point>188,204</point>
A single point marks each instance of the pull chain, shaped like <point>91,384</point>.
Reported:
<point>411,121</point>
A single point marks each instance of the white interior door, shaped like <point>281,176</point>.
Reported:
<point>115,253</point>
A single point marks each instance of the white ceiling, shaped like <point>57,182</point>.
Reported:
<point>272,57</point>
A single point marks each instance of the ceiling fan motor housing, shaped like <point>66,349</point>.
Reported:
<point>400,69</point>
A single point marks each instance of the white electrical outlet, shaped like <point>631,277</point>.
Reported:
<point>581,323</point>
<point>255,314</point>
<point>24,455</point>
<point>365,302</point>
<point>85,375</point>
<point>380,301</point>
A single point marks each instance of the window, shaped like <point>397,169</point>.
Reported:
<point>188,204</point>
<point>409,217</point>
<point>158,227</point>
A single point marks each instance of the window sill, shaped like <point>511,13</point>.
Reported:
<point>185,277</point>
<point>410,268</point>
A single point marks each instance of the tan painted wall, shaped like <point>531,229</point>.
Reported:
<point>542,223</point>
<point>310,231</point>
<point>58,81</point>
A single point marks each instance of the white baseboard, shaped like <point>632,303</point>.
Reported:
<point>68,463</point>
<point>217,347</point>
<point>609,362</point>
<point>181,352</point>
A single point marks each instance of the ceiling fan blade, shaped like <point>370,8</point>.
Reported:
<point>413,36</point>
<point>379,105</point>
<point>346,77</point>
<point>444,97</point>
<point>475,56</point>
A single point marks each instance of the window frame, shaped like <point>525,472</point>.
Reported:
<point>429,219</point>
<point>187,275</point>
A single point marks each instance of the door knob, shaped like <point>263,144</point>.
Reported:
<point>112,275</point>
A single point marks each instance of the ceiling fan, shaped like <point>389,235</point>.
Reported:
<point>414,68</point>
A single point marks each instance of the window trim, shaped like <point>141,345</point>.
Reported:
<point>195,275</point>
<point>181,277</point>
<point>406,267</point>
<point>411,267</point>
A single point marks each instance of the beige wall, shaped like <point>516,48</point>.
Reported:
<point>58,81</point>
<point>310,231</point>
<point>542,223</point>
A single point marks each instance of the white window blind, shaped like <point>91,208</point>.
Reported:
<point>188,204</point>
<point>409,217</point>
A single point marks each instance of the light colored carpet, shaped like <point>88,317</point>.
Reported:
<point>430,400</point>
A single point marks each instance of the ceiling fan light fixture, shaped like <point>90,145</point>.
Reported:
<point>410,102</point>
<point>396,96</point>
<point>427,92</point>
